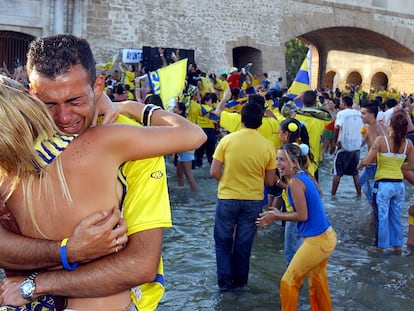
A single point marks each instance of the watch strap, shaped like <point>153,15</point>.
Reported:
<point>33,275</point>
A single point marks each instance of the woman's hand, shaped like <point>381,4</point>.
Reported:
<point>268,217</point>
<point>10,291</point>
<point>105,108</point>
<point>97,235</point>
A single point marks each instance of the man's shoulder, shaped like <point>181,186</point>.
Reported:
<point>122,119</point>
<point>347,112</point>
<point>226,117</point>
<point>312,123</point>
<point>372,132</point>
<point>341,113</point>
<point>356,112</point>
<point>389,112</point>
<point>270,120</point>
<point>379,130</point>
<point>258,136</point>
<point>351,111</point>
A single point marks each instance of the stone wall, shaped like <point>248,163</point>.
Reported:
<point>211,29</point>
<point>214,29</point>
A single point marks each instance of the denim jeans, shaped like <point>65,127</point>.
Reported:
<point>390,198</point>
<point>293,240</point>
<point>366,181</point>
<point>234,232</point>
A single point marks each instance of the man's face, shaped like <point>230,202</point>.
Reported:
<point>366,116</point>
<point>69,97</point>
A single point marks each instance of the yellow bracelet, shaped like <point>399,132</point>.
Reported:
<point>64,242</point>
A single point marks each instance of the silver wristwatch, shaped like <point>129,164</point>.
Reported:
<point>28,287</point>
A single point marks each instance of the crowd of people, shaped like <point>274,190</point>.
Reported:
<point>63,221</point>
<point>303,141</point>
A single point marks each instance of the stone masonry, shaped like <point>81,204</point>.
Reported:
<point>369,38</point>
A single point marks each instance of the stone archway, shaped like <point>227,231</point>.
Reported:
<point>342,48</point>
<point>329,80</point>
<point>379,81</point>
<point>244,54</point>
<point>354,78</point>
<point>13,46</point>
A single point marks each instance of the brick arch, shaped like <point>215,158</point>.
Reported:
<point>340,19</point>
<point>329,79</point>
<point>379,79</point>
<point>245,50</point>
<point>354,77</point>
<point>246,54</point>
<point>370,34</point>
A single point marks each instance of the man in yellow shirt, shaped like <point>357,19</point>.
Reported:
<point>243,162</point>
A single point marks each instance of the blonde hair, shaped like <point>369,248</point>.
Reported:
<point>23,119</point>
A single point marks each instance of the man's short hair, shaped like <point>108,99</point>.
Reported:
<point>54,55</point>
<point>309,98</point>
<point>251,116</point>
<point>258,100</point>
<point>347,100</point>
<point>391,103</point>
<point>372,107</point>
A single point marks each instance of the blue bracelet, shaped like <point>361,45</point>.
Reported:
<point>63,257</point>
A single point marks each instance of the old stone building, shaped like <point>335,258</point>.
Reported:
<point>368,42</point>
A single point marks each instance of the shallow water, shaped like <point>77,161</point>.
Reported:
<point>359,278</point>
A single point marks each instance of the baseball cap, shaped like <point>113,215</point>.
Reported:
<point>233,69</point>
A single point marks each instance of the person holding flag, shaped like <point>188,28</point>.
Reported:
<point>301,82</point>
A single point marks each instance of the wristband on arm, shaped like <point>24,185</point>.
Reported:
<point>63,257</point>
<point>147,113</point>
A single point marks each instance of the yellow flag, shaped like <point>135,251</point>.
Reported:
<point>109,64</point>
<point>169,82</point>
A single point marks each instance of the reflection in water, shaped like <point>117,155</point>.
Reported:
<point>359,278</point>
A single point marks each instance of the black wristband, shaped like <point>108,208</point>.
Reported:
<point>147,113</point>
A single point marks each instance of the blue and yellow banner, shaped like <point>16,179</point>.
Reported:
<point>301,82</point>
<point>169,82</point>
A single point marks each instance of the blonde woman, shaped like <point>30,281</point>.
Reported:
<point>50,181</point>
<point>319,238</point>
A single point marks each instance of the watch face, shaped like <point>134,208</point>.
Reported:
<point>27,289</point>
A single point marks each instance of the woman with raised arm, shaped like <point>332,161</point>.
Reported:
<point>37,160</point>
